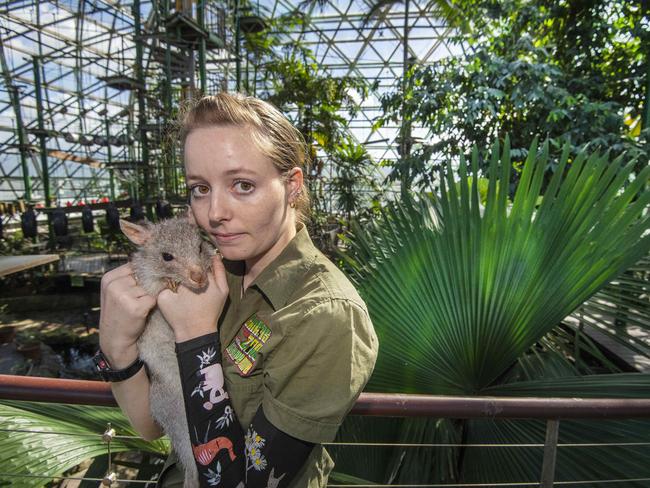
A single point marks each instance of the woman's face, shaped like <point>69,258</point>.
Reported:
<point>237,194</point>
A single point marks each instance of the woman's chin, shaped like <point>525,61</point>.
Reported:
<point>232,254</point>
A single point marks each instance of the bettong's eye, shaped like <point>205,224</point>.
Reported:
<point>167,257</point>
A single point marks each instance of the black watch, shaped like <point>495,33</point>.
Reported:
<point>109,374</point>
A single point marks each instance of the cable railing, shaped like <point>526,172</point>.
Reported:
<point>552,410</point>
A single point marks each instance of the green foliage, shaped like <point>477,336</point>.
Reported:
<point>320,106</point>
<point>566,71</point>
<point>73,433</point>
<point>13,244</point>
<point>469,299</point>
<point>355,180</point>
<point>28,336</point>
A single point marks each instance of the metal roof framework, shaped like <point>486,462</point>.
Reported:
<point>88,86</point>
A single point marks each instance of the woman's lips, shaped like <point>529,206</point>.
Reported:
<point>226,238</point>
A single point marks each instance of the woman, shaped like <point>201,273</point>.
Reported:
<point>287,330</point>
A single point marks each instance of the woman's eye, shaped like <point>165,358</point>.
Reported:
<point>244,186</point>
<point>167,257</point>
<point>199,190</point>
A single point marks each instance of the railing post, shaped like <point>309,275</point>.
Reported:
<point>550,453</point>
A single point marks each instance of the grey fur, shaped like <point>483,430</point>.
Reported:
<point>179,237</point>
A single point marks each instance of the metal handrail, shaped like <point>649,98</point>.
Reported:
<point>391,405</point>
<point>369,404</point>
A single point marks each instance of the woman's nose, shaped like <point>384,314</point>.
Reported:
<point>218,208</point>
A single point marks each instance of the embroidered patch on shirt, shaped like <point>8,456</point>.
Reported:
<point>244,349</point>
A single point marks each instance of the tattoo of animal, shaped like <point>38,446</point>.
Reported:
<point>205,453</point>
<point>213,383</point>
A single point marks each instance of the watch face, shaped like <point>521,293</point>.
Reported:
<point>101,363</point>
<point>102,366</point>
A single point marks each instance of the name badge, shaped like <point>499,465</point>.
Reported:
<point>244,349</point>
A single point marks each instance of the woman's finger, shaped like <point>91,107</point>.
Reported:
<point>219,272</point>
<point>116,274</point>
<point>116,278</point>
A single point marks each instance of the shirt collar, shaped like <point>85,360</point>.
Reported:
<point>280,278</point>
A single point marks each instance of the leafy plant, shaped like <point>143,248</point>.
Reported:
<point>13,244</point>
<point>28,336</point>
<point>571,72</point>
<point>67,435</point>
<point>468,300</point>
<point>320,106</point>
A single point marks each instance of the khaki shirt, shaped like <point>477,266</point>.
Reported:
<point>300,343</point>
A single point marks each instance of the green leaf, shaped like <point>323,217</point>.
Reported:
<point>463,296</point>
<point>71,434</point>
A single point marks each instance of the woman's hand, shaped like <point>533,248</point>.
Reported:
<point>124,310</point>
<point>192,314</point>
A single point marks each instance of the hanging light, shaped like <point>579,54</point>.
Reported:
<point>114,141</point>
<point>164,209</point>
<point>136,212</point>
<point>28,223</point>
<point>87,218</point>
<point>113,217</point>
<point>100,140</point>
<point>85,140</point>
<point>60,222</point>
<point>70,137</point>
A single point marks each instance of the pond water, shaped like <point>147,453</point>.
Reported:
<point>77,363</point>
<point>68,341</point>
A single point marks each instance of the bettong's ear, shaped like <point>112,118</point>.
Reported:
<point>137,234</point>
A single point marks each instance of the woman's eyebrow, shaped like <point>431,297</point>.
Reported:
<point>235,171</point>
<point>189,177</point>
<point>230,172</point>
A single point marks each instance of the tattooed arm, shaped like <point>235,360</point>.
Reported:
<point>264,457</point>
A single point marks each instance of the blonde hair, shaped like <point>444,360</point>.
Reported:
<point>271,131</point>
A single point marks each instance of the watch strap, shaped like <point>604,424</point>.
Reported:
<point>107,373</point>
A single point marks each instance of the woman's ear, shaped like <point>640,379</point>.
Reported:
<point>294,180</point>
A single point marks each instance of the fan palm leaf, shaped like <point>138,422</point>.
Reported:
<point>466,299</point>
<point>45,439</point>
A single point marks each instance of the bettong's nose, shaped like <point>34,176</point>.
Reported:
<point>198,276</point>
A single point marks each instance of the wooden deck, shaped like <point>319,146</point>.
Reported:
<point>629,356</point>
<point>14,264</point>
<point>90,265</point>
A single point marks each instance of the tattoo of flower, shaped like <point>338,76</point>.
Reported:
<point>206,357</point>
<point>254,458</point>
<point>226,419</point>
<point>214,477</point>
<point>198,390</point>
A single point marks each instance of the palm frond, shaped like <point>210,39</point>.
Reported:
<point>360,430</point>
<point>47,439</point>
<point>468,299</point>
<point>457,300</point>
<point>524,464</point>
